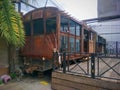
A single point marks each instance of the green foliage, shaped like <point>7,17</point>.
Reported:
<point>11,26</point>
<point>1,82</point>
<point>13,75</point>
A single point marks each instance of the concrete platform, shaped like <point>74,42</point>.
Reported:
<point>28,83</point>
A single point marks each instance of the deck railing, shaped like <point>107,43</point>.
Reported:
<point>97,66</point>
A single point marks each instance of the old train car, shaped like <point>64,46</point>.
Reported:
<point>100,45</point>
<point>49,29</point>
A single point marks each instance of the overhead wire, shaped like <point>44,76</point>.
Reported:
<point>57,4</point>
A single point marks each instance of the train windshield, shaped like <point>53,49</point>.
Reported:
<point>51,25</point>
<point>27,28</point>
<point>38,26</point>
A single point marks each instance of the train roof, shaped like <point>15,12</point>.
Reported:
<point>57,10</point>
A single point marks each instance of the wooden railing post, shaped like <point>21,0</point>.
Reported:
<point>55,58</point>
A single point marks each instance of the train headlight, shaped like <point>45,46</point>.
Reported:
<point>43,58</point>
<point>89,58</point>
<point>86,58</point>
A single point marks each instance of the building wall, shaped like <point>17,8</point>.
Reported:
<point>108,8</point>
<point>109,29</point>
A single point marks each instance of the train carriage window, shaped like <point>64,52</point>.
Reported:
<point>99,39</point>
<point>64,43</point>
<point>77,45</point>
<point>38,26</point>
<point>64,28</point>
<point>91,36</point>
<point>64,24</point>
<point>72,27</point>
<point>27,28</point>
<point>51,25</point>
<point>86,35</point>
<point>72,40</point>
<point>78,30</point>
<point>104,41</point>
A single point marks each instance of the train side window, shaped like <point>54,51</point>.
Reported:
<point>86,35</point>
<point>78,30</point>
<point>64,43</point>
<point>51,25</point>
<point>38,26</point>
<point>72,40</point>
<point>27,28</point>
<point>72,27</point>
<point>64,24</point>
<point>91,36</point>
<point>77,45</point>
<point>99,39</point>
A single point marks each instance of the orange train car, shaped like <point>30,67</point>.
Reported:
<point>48,29</point>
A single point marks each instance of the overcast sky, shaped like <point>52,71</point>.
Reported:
<point>80,9</point>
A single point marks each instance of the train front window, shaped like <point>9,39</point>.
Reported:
<point>27,28</point>
<point>51,25</point>
<point>38,27</point>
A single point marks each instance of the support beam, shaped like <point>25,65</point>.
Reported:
<point>28,4</point>
<point>101,19</point>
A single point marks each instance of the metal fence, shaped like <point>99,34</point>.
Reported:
<point>108,68</point>
<point>98,66</point>
<point>113,49</point>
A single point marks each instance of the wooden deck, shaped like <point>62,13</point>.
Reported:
<point>62,81</point>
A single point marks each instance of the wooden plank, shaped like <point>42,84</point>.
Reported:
<point>72,84</point>
<point>3,70</point>
<point>91,48</point>
<point>60,87</point>
<point>87,80</point>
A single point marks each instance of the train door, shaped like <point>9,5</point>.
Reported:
<point>91,42</point>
